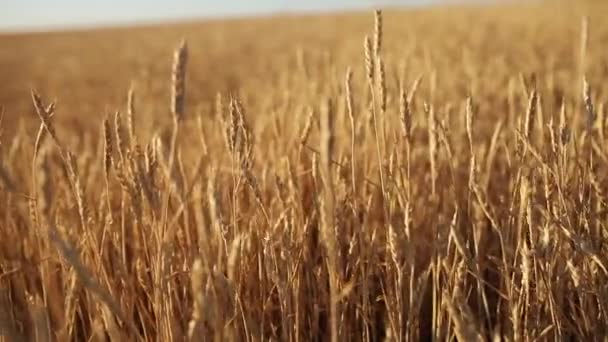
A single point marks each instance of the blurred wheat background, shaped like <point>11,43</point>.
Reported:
<point>398,175</point>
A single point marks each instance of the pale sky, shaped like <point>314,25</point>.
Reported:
<point>17,15</point>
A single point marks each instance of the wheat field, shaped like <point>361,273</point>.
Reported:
<point>431,174</point>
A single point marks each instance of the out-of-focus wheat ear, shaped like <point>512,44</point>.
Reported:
<point>120,145</point>
<point>178,81</point>
<point>326,152</point>
<point>232,128</point>
<point>524,85</point>
<point>155,154</point>
<point>382,99</point>
<point>458,239</point>
<point>98,330</point>
<point>315,170</point>
<point>71,255</point>
<point>72,168</point>
<point>201,134</point>
<point>469,117</point>
<point>110,323</point>
<point>395,246</point>
<point>4,175</point>
<point>42,112</point>
<point>465,327</point>
<point>492,151</point>
<point>526,270</point>
<point>583,48</point>
<point>432,85</point>
<point>351,116</point>
<point>327,135</point>
<point>369,60</point>
<point>107,160</point>
<point>219,107</point>
<point>472,172</point>
<point>589,107</point>
<point>195,327</point>
<point>574,273</point>
<point>107,146</point>
<point>5,179</point>
<point>234,253</point>
<point>305,133</point>
<point>405,114</point>
<point>552,136</point>
<point>131,116</point>
<point>327,214</point>
<point>564,133</point>
<point>432,132</point>
<point>601,120</point>
<point>382,85</point>
<point>377,32</point>
<point>414,89</point>
<point>215,216</point>
<point>245,146</point>
<point>329,240</point>
<point>39,139</point>
<point>44,191</point>
<point>50,111</point>
<point>1,121</point>
<point>349,96</point>
<point>32,205</point>
<point>45,117</point>
<point>530,115</point>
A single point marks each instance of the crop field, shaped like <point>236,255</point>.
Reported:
<point>431,174</point>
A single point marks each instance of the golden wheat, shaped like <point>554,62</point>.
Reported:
<point>445,180</point>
